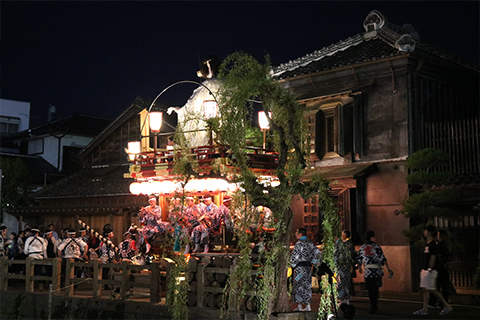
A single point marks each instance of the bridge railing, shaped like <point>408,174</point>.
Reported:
<point>207,278</point>
<point>123,278</point>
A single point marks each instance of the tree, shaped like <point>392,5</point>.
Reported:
<point>430,184</point>
<point>15,182</point>
<point>246,80</point>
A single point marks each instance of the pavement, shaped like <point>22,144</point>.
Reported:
<point>396,306</point>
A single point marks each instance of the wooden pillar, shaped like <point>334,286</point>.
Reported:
<point>97,274</point>
<point>201,280</point>
<point>125,278</point>
<point>155,283</point>
<point>29,270</point>
<point>3,273</point>
<point>56,273</point>
<point>69,275</point>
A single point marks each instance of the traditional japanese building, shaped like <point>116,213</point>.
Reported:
<point>372,100</point>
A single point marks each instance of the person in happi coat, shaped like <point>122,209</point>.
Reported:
<point>190,220</point>
<point>371,257</point>
<point>36,248</point>
<point>128,247</point>
<point>72,248</point>
<point>106,252</point>
<point>209,224</point>
<point>151,219</point>
<point>303,257</point>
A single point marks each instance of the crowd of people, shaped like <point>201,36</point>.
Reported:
<point>195,224</point>
<point>191,225</point>
<point>369,260</point>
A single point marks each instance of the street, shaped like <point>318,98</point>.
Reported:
<point>400,309</point>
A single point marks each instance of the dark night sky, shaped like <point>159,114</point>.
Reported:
<point>96,57</point>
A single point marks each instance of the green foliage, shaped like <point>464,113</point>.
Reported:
<point>432,192</point>
<point>15,182</point>
<point>244,80</point>
<point>430,204</point>
<point>177,293</point>
<point>429,179</point>
<point>427,159</point>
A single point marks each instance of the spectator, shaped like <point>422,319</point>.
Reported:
<point>3,240</point>
<point>371,256</point>
<point>304,255</point>
<point>429,274</point>
<point>344,257</point>
<point>51,227</point>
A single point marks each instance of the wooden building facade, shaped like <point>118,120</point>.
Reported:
<point>372,100</point>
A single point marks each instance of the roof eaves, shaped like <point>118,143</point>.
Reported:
<point>137,103</point>
<point>317,55</point>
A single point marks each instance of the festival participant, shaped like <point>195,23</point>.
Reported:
<point>3,240</point>
<point>128,247</point>
<point>36,248</point>
<point>175,211</point>
<point>106,252</point>
<point>151,219</point>
<point>266,226</point>
<point>51,226</point>
<point>209,225</point>
<point>83,234</point>
<point>224,211</point>
<point>344,258</point>
<point>190,220</point>
<point>304,255</point>
<point>371,256</point>
<point>52,244</point>
<point>72,248</point>
<point>106,249</point>
<point>191,214</point>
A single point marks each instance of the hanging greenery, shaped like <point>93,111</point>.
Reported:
<point>177,292</point>
<point>245,82</point>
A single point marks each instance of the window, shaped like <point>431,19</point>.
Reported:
<point>331,130</point>
<point>310,216</point>
<point>9,125</point>
<point>35,147</point>
<point>327,129</point>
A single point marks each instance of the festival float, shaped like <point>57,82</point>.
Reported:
<point>213,166</point>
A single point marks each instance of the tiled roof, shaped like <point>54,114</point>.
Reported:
<point>77,124</point>
<point>93,181</point>
<point>381,40</point>
<point>342,54</point>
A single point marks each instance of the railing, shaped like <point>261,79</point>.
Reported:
<point>124,277</point>
<point>160,162</point>
<point>207,278</point>
<point>462,275</point>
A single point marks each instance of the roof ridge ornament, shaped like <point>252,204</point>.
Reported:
<point>372,23</point>
<point>405,43</point>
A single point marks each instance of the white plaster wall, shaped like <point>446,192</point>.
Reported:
<point>18,109</point>
<point>51,149</point>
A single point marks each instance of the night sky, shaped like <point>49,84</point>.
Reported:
<point>96,57</point>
